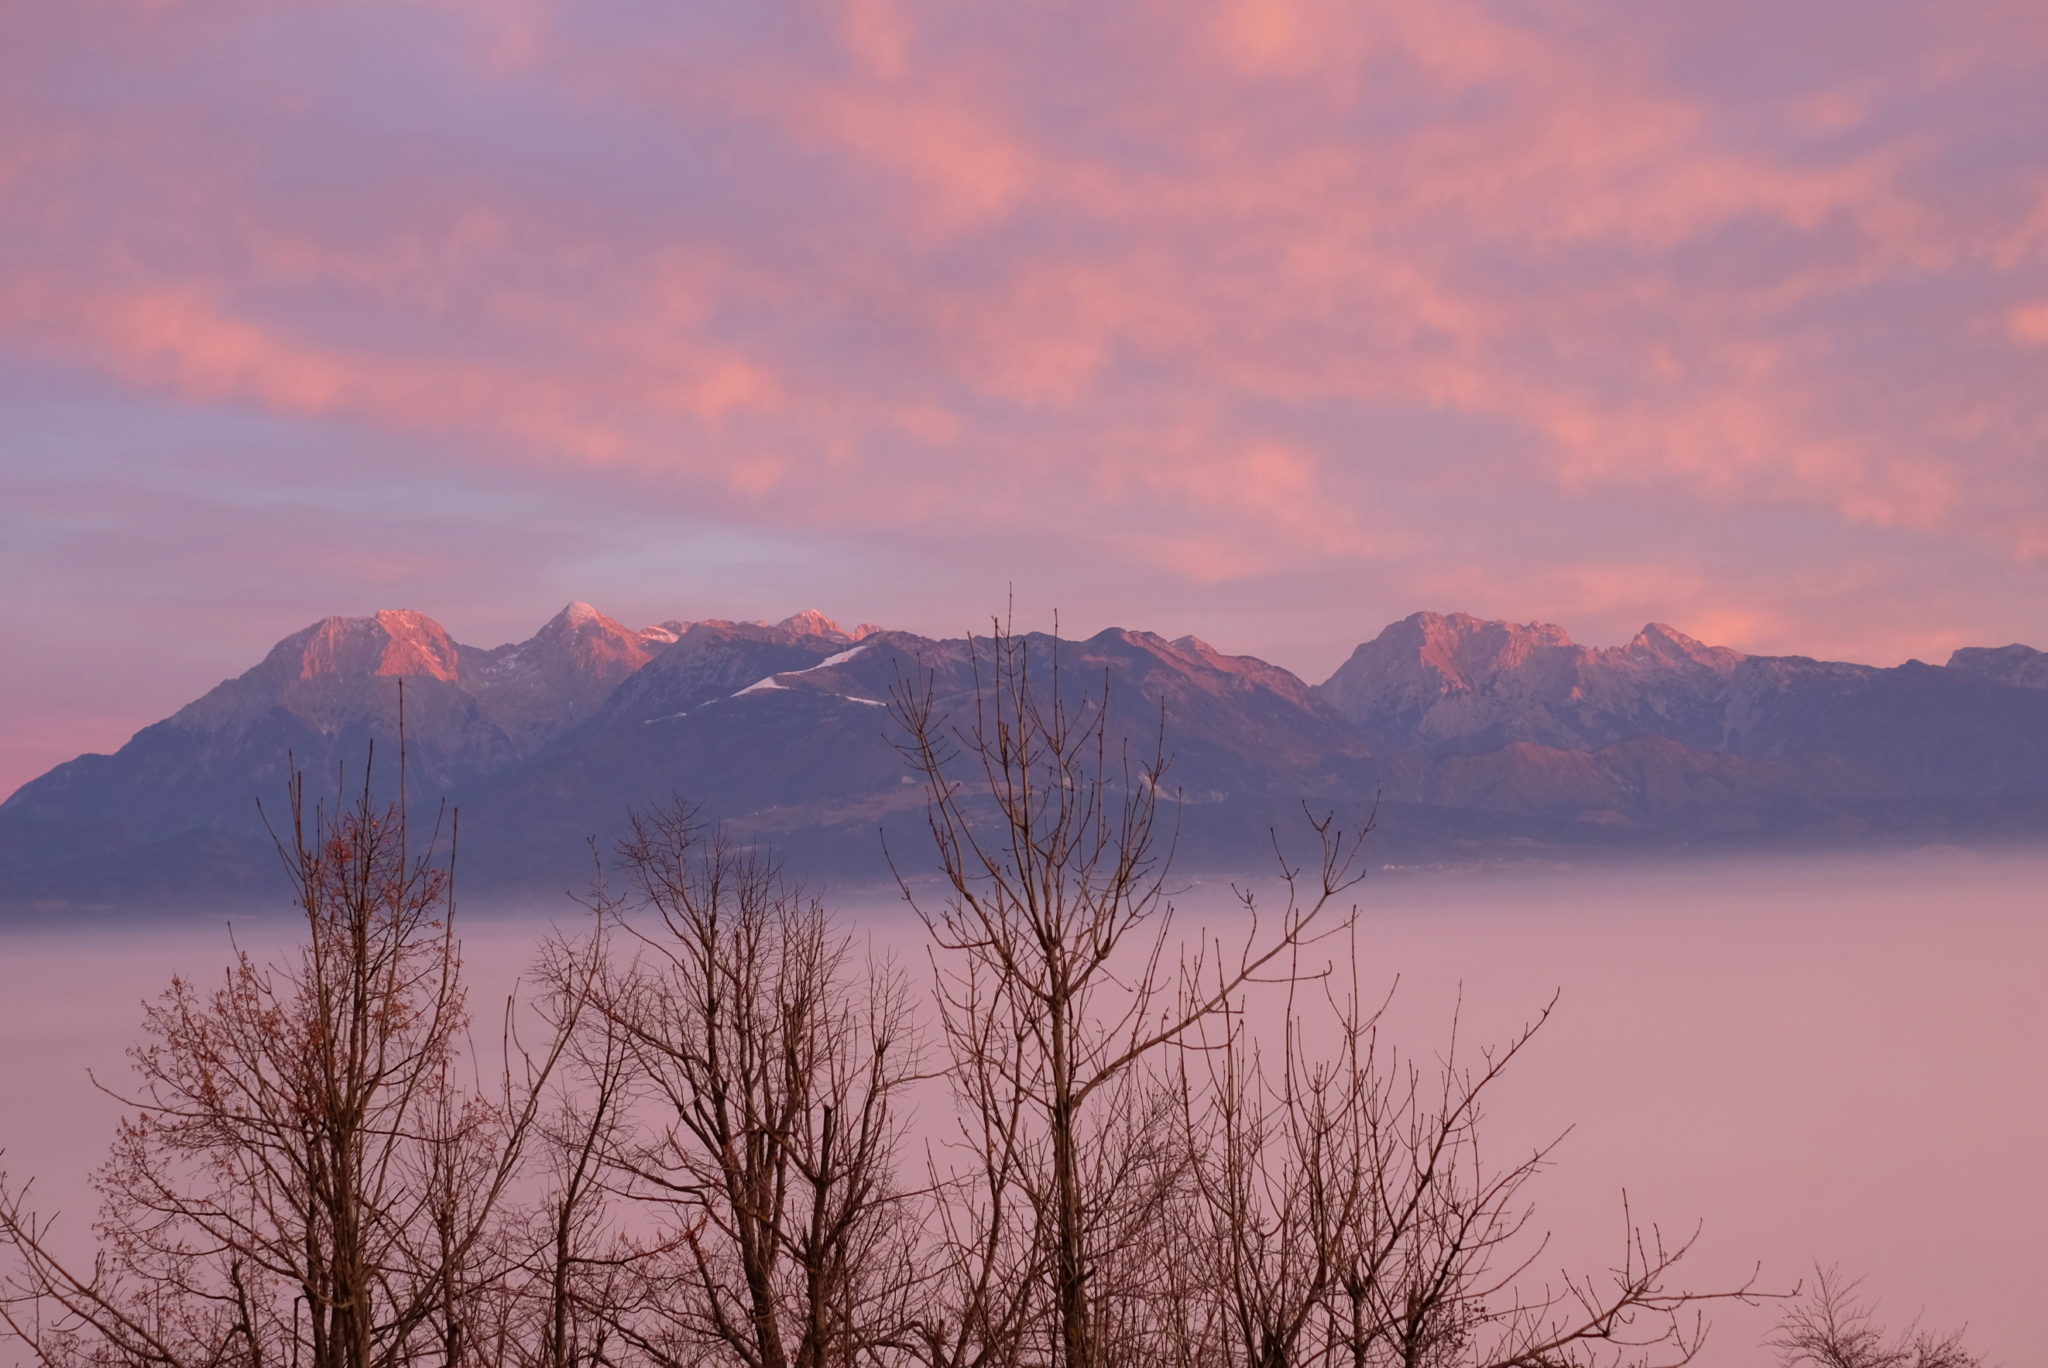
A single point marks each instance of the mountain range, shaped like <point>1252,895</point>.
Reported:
<point>1469,739</point>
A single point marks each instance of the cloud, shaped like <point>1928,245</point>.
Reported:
<point>1444,207</point>
<point>2029,323</point>
<point>878,34</point>
<point>1232,298</point>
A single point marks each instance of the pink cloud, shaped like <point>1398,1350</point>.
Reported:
<point>879,34</point>
<point>1259,257</point>
<point>2029,323</point>
<point>1216,293</point>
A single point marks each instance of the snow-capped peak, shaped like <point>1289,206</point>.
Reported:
<point>810,622</point>
<point>581,617</point>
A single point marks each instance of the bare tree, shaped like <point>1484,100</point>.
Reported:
<point>1058,985</point>
<point>1272,1197</point>
<point>560,1263</point>
<point>763,1066</point>
<point>1833,1328</point>
<point>301,1177</point>
<point>577,1263</point>
<point>1346,1212</point>
<point>1101,1207</point>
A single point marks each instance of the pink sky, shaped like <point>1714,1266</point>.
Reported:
<point>1270,320</point>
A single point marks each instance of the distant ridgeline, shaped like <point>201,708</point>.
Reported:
<point>1474,739</point>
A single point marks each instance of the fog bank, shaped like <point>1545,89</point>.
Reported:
<point>1819,1058</point>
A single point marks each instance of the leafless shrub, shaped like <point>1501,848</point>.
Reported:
<point>1833,1328</point>
<point>758,1065</point>
<point>1347,1212</point>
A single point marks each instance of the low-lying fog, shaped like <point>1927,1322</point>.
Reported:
<point>1817,1058</point>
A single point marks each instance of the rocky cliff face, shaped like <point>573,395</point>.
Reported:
<point>2015,664</point>
<point>323,675</point>
<point>1457,685</point>
<point>316,702</point>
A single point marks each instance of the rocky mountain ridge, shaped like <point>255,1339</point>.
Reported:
<point>1455,684</point>
<point>2014,664</point>
<point>1470,738</point>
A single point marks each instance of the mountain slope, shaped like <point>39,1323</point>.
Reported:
<point>317,700</point>
<point>804,750</point>
<point>535,690</point>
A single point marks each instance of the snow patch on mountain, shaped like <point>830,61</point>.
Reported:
<point>576,614</point>
<point>775,681</point>
<point>840,659</point>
